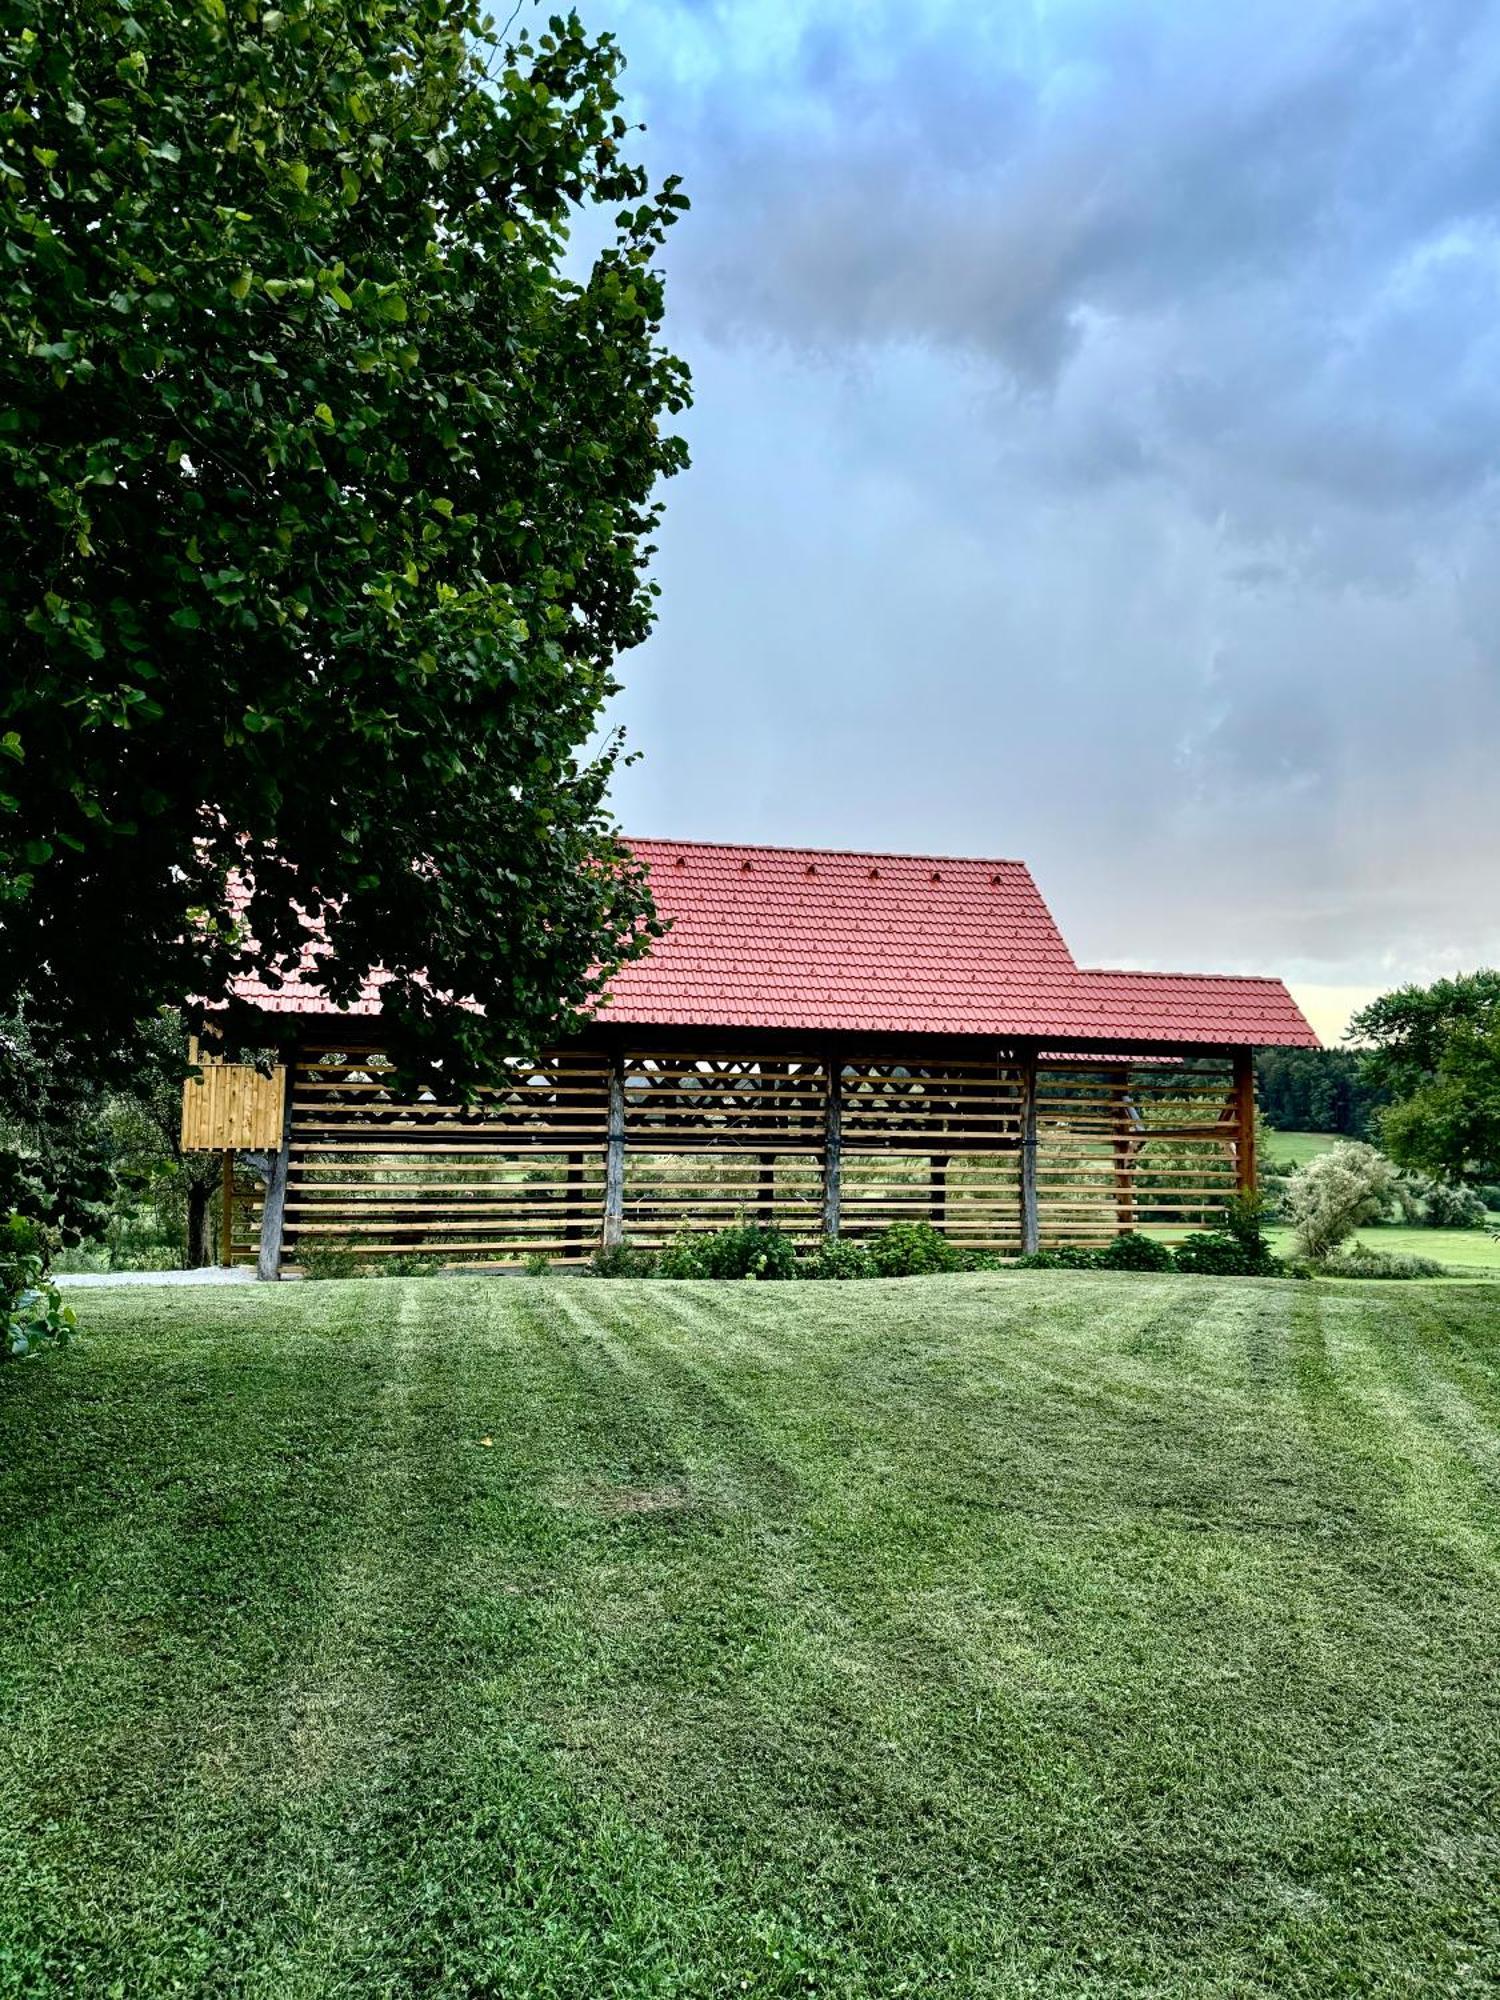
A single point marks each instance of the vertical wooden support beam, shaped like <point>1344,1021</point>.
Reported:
<point>226,1210</point>
<point>1030,1220</point>
<point>614,1155</point>
<point>938,1189</point>
<point>833,1140</point>
<point>766,1190</point>
<point>273,1207</point>
<point>1244,1119</point>
<point>1124,1172</point>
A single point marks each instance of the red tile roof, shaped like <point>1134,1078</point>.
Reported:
<point>810,940</point>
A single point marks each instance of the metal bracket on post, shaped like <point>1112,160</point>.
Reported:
<point>273,1205</point>
<point>833,1129</point>
<point>1030,1225</point>
<point>614,1155</point>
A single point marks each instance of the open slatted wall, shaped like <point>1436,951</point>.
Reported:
<point>520,1172</point>
<point>1133,1146</point>
<point>712,1141</point>
<point>934,1142</point>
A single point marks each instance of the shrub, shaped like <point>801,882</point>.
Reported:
<point>748,1252</point>
<point>410,1264</point>
<point>1433,1204</point>
<point>538,1265</point>
<point>1328,1198</point>
<point>1360,1261</point>
<point>622,1260</point>
<point>1067,1257</point>
<point>1237,1249</point>
<point>682,1258</point>
<point>1212,1253</point>
<point>836,1257</point>
<point>1131,1251</point>
<point>328,1260</point>
<point>32,1314</point>
<point>980,1260</point>
<point>913,1250</point>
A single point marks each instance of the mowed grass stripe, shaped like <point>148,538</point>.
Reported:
<point>1030,1633</point>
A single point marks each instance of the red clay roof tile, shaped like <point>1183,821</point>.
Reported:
<point>812,939</point>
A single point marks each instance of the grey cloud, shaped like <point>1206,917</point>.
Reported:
<point>1095,459</point>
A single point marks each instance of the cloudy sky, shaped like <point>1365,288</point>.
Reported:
<point>1095,454</point>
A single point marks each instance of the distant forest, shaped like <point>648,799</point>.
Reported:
<point>1316,1090</point>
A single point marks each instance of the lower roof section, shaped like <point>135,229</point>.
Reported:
<point>807,941</point>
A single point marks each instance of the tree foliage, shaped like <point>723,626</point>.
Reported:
<point>56,1152</point>
<point>327,493</point>
<point>1316,1090</point>
<point>1435,1051</point>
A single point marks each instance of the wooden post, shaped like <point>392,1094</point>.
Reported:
<point>1030,1222</point>
<point>833,1130</point>
<point>226,1211</point>
<point>1124,1175</point>
<point>273,1208</point>
<point>1244,1119</point>
<point>614,1155</point>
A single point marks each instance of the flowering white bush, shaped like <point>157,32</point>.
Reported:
<point>1326,1200</point>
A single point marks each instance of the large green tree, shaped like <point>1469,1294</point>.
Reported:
<point>326,494</point>
<point>1435,1051</point>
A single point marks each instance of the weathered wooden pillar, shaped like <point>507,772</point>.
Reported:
<point>1244,1119</point>
<point>833,1130</point>
<point>273,1206</point>
<point>614,1155</point>
<point>1030,1220</point>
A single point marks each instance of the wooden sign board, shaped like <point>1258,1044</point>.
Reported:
<point>232,1108</point>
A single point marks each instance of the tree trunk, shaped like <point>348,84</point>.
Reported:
<point>200,1243</point>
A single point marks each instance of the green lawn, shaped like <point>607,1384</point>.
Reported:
<point>1011,1635</point>
<point>1295,1149</point>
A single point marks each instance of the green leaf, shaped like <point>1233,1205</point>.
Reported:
<point>240,286</point>
<point>187,618</point>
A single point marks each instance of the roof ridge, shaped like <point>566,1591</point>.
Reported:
<point>1146,972</point>
<point>834,853</point>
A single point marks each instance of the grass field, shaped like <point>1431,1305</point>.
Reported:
<point>1025,1634</point>
<point>1295,1149</point>
<point>1466,1252</point>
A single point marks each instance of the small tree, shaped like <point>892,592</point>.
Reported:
<point>1327,1199</point>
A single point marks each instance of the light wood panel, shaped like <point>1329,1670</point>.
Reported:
<point>232,1108</point>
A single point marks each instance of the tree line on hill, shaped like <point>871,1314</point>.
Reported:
<point>1317,1090</point>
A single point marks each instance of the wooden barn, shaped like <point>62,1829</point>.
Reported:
<point>826,1041</point>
